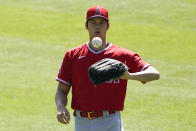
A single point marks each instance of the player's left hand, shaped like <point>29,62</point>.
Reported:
<point>105,70</point>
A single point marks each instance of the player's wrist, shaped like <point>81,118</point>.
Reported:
<point>130,76</point>
<point>125,75</point>
<point>60,107</point>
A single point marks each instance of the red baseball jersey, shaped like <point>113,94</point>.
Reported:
<point>107,96</point>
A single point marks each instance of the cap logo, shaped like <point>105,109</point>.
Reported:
<point>98,11</point>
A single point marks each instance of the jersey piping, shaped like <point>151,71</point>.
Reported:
<point>145,67</point>
<point>97,52</point>
<point>64,82</point>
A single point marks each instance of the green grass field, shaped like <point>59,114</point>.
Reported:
<point>34,35</point>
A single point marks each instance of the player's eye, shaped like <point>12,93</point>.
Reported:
<point>103,22</point>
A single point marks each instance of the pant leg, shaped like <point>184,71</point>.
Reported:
<point>117,125</point>
<point>82,124</point>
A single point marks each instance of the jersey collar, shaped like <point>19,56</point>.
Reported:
<point>97,52</point>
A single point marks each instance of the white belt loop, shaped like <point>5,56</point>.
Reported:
<point>78,113</point>
<point>106,113</point>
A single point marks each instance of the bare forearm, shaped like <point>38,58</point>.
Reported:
<point>61,99</point>
<point>149,74</point>
<point>63,115</point>
<point>144,76</point>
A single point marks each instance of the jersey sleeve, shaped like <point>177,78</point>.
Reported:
<point>64,75</point>
<point>135,63</point>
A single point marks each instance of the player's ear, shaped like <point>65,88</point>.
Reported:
<point>86,25</point>
<point>108,25</point>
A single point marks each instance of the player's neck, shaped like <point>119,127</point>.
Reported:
<point>103,46</point>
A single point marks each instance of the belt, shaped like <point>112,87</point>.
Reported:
<point>92,114</point>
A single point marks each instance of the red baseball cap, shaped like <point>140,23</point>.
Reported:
<point>97,11</point>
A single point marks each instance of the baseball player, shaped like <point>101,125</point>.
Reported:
<point>97,108</point>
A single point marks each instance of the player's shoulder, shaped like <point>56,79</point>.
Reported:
<point>74,52</point>
<point>77,48</point>
<point>121,50</point>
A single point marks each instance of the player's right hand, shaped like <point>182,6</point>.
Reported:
<point>63,115</point>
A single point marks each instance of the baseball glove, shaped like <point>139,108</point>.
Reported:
<point>105,70</point>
